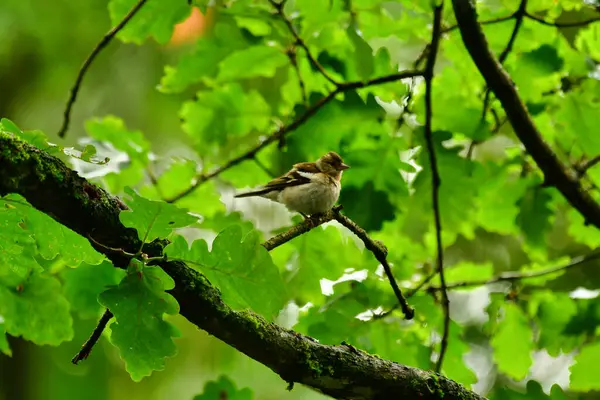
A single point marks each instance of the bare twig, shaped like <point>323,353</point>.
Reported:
<point>562,24</point>
<point>533,18</point>
<point>264,168</point>
<point>518,15</point>
<point>88,61</point>
<point>112,249</point>
<point>380,252</point>
<point>284,130</point>
<point>87,347</point>
<point>518,276</point>
<point>278,6</point>
<point>292,55</point>
<point>585,166</point>
<point>436,182</point>
<point>486,22</point>
<point>505,91</point>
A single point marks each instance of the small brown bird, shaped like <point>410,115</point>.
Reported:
<point>308,188</point>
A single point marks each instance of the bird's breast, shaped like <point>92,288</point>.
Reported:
<point>311,198</point>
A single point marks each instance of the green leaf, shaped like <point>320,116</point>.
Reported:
<point>367,206</point>
<point>385,173</point>
<point>554,312</point>
<point>153,219</point>
<point>543,60</point>
<point>319,254</point>
<point>16,243</point>
<point>499,213</point>
<point>202,63</point>
<point>223,117</point>
<point>4,346</point>
<point>83,284</point>
<point>240,267</point>
<point>588,41</point>
<point>534,216</point>
<point>583,376</point>
<point>112,129</point>
<point>336,321</point>
<point>35,138</point>
<point>401,346</point>
<point>467,271</point>
<point>36,309</point>
<point>140,332</point>
<point>204,200</point>
<point>156,19</point>
<point>224,388</point>
<point>252,62</point>
<point>458,190</point>
<point>454,366</point>
<point>576,118</point>
<point>52,238</point>
<point>513,343</point>
<point>363,53</point>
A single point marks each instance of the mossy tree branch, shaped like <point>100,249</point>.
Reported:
<point>339,371</point>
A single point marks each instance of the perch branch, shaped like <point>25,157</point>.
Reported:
<point>88,61</point>
<point>435,176</point>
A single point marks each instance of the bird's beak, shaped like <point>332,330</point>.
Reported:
<point>344,166</point>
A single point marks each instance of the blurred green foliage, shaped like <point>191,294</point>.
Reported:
<point>155,114</point>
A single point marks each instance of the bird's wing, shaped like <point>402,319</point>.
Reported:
<point>300,174</point>
<point>295,177</point>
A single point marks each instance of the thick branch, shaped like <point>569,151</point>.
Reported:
<point>88,61</point>
<point>505,91</point>
<point>339,371</point>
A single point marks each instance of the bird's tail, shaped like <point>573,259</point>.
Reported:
<point>260,192</point>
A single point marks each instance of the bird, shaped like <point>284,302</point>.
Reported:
<point>309,188</point>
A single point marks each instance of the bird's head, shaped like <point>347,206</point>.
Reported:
<point>332,164</point>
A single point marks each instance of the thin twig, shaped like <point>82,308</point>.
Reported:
<point>486,22</point>
<point>518,15</point>
<point>436,181</point>
<point>532,17</point>
<point>380,252</point>
<point>87,347</point>
<point>264,168</point>
<point>284,130</point>
<point>517,276</point>
<point>112,249</point>
<point>278,6</point>
<point>88,61</point>
<point>562,24</point>
<point>585,166</point>
<point>292,55</point>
